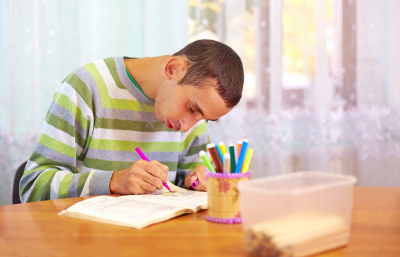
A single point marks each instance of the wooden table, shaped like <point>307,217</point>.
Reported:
<point>35,229</point>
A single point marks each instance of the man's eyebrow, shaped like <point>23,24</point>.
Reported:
<point>200,110</point>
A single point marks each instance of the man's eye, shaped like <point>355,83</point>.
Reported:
<point>191,109</point>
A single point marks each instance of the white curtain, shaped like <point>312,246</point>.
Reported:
<point>43,41</point>
<point>322,85</point>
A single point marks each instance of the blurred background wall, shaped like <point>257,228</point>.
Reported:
<point>322,77</point>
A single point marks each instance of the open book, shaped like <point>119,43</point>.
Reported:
<point>139,211</point>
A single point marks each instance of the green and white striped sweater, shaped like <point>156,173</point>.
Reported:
<point>96,120</point>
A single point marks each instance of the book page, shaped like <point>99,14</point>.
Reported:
<point>188,199</point>
<point>123,211</point>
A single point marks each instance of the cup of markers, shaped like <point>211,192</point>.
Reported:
<point>228,170</point>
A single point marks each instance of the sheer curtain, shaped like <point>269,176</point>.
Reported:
<point>43,41</point>
<point>322,84</point>
<point>322,77</point>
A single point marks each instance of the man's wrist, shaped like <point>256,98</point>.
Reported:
<point>113,182</point>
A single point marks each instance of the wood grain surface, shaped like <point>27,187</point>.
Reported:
<point>35,229</point>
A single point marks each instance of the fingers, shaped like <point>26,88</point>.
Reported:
<point>140,178</point>
<point>141,187</point>
<point>189,178</point>
<point>197,174</point>
<point>149,172</point>
<point>151,180</point>
<point>202,186</point>
<point>164,169</point>
<point>200,174</point>
<point>155,173</point>
<point>154,169</point>
<point>193,179</point>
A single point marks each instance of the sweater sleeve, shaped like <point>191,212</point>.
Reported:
<point>53,170</point>
<point>196,139</point>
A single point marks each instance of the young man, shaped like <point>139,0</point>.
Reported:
<point>105,109</point>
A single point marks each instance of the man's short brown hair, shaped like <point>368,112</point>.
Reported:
<point>210,60</point>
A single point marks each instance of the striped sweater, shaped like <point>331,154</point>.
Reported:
<point>96,120</point>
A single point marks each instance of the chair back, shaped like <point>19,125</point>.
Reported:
<point>17,178</point>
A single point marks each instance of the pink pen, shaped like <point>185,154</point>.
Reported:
<point>145,158</point>
<point>196,183</point>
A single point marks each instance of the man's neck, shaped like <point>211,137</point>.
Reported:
<point>148,73</point>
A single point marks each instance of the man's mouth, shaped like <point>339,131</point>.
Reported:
<point>168,124</point>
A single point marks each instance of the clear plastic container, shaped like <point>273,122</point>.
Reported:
<point>296,214</point>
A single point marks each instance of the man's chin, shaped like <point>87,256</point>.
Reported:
<point>159,118</point>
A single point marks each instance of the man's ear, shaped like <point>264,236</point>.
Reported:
<point>175,68</point>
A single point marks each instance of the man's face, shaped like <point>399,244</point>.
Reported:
<point>181,106</point>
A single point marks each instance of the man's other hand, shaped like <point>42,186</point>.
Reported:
<point>200,174</point>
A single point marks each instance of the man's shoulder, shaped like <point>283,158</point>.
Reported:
<point>108,63</point>
<point>97,66</point>
<point>94,70</point>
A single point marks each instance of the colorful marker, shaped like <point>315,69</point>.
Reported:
<point>215,156</point>
<point>247,161</point>
<point>239,146</point>
<point>227,165</point>
<point>196,183</point>
<point>220,153</point>
<point>232,154</point>
<point>222,147</point>
<point>241,156</point>
<point>209,156</point>
<point>207,161</point>
<point>145,158</point>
